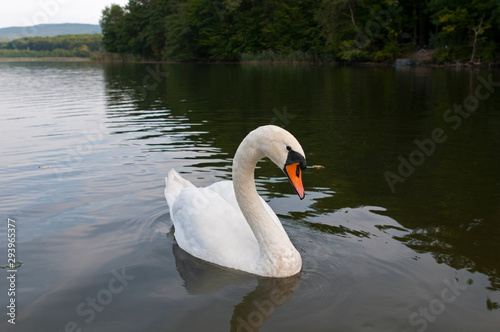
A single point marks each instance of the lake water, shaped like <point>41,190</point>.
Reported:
<point>399,230</point>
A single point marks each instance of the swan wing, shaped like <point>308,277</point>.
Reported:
<point>174,185</point>
<point>209,224</point>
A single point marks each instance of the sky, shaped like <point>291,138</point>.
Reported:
<point>32,12</point>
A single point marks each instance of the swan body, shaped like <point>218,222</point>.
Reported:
<point>228,223</point>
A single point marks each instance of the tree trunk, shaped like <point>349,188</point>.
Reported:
<point>352,18</point>
<point>476,31</point>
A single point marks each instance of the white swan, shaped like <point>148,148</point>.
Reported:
<point>228,223</point>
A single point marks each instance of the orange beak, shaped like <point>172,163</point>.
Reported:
<point>294,173</point>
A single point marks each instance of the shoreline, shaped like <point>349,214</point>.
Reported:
<point>45,59</point>
<point>387,63</point>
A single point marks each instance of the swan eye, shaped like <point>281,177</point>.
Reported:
<point>288,147</point>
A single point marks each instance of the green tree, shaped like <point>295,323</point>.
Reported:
<point>178,34</point>
<point>63,45</point>
<point>361,30</point>
<point>352,30</point>
<point>464,29</point>
<point>113,25</point>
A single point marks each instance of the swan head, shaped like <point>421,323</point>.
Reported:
<point>284,150</point>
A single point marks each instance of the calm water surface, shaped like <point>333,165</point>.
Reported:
<point>399,231</point>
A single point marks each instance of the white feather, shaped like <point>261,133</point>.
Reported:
<point>210,224</point>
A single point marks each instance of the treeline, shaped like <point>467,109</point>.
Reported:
<point>59,46</point>
<point>311,30</point>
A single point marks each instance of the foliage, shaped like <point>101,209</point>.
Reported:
<point>59,46</point>
<point>348,30</point>
<point>210,29</point>
<point>112,25</point>
<point>458,20</point>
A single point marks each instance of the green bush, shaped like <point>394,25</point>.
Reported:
<point>58,46</point>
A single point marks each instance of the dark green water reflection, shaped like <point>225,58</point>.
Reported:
<point>385,247</point>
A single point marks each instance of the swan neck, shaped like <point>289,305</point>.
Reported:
<point>268,234</point>
<point>278,256</point>
<point>245,190</point>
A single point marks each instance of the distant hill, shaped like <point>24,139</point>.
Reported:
<point>48,30</point>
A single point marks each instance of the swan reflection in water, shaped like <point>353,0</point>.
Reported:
<point>201,277</point>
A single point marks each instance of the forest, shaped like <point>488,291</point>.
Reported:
<point>59,46</point>
<point>303,30</point>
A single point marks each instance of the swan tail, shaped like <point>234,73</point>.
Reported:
<point>174,185</point>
